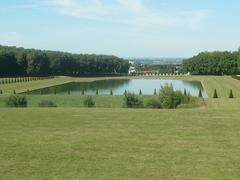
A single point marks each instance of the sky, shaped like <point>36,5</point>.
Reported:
<point>126,28</point>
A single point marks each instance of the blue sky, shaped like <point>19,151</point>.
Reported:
<point>126,28</point>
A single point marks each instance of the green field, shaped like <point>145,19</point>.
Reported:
<point>120,143</point>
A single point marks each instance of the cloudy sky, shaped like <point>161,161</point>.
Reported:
<point>126,28</point>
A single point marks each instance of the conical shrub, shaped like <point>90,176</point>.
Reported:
<point>185,92</point>
<point>231,94</point>
<point>125,93</point>
<point>155,91</point>
<point>215,95</point>
<point>200,93</point>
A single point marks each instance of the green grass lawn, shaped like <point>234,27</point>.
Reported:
<point>104,144</point>
<point>69,142</point>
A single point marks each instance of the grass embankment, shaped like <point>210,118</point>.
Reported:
<point>119,144</point>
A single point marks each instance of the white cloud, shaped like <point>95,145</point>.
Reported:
<point>131,12</point>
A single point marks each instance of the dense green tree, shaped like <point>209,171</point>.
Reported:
<point>30,62</point>
<point>213,63</point>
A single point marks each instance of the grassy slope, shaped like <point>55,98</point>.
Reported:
<point>119,144</point>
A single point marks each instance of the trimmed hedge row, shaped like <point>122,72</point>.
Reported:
<point>22,79</point>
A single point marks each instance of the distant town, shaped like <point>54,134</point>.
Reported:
<point>156,61</point>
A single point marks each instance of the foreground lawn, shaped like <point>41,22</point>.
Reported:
<point>119,144</point>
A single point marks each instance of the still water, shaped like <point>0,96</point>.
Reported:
<point>118,86</point>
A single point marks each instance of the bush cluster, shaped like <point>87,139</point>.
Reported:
<point>132,101</point>
<point>16,101</point>
<point>170,99</point>
<point>47,103</point>
<point>89,102</point>
<point>154,103</point>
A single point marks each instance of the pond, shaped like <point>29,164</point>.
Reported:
<point>118,86</point>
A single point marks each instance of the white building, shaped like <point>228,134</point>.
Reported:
<point>132,70</point>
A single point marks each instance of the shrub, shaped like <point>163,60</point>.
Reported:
<point>200,93</point>
<point>215,95</point>
<point>155,91</point>
<point>47,103</point>
<point>154,103</point>
<point>89,102</point>
<point>16,101</point>
<point>185,92</point>
<point>132,101</point>
<point>231,94</point>
<point>169,98</point>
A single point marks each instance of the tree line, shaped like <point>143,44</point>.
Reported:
<point>31,62</point>
<point>213,63</point>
